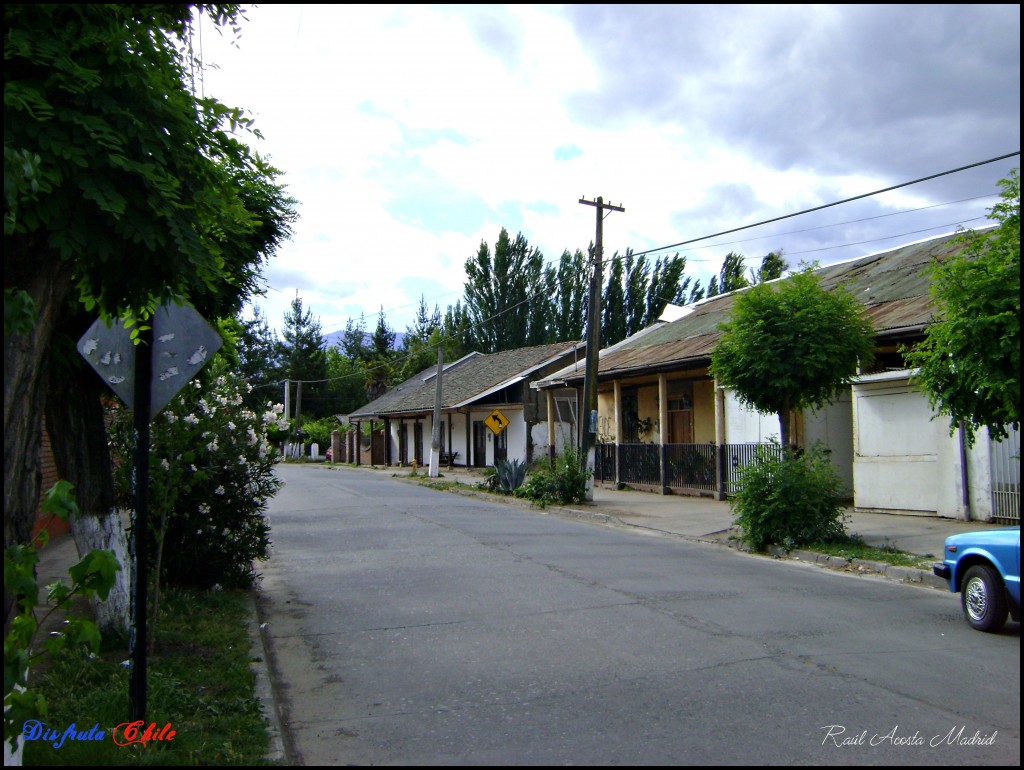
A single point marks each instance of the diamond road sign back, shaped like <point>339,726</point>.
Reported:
<point>182,344</point>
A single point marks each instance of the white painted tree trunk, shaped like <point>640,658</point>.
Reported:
<point>107,532</point>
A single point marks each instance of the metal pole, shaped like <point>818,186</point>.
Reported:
<point>140,528</point>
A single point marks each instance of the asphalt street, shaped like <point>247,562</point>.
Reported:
<point>410,626</point>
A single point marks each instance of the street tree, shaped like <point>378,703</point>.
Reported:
<point>730,277</point>
<point>124,189</point>
<point>791,345</point>
<point>969,362</point>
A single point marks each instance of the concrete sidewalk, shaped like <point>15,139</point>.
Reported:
<point>707,520</point>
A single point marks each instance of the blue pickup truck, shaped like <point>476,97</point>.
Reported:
<point>984,568</point>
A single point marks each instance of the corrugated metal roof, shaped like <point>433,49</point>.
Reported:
<point>893,286</point>
<point>468,380</point>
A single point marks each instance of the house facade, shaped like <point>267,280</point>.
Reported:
<point>488,410</point>
<point>665,425</point>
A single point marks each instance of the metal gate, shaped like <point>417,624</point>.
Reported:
<point>1005,464</point>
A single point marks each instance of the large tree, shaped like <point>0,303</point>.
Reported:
<point>969,362</point>
<point>303,355</point>
<point>504,296</point>
<point>791,345</point>
<point>123,189</point>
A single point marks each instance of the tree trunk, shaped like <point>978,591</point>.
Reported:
<point>784,414</point>
<point>25,357</point>
<point>78,436</point>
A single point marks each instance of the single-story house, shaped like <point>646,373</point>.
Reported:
<point>664,423</point>
<point>489,412</point>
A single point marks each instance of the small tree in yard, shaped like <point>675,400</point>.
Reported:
<point>969,363</point>
<point>790,346</point>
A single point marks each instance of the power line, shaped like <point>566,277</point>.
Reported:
<point>827,205</point>
<point>738,229</point>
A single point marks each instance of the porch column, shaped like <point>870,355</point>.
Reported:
<point>550,399</point>
<point>720,440</point>
<point>617,397</point>
<point>662,429</point>
<point>359,441</point>
<point>469,441</point>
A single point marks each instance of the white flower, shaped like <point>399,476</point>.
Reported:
<point>191,419</point>
<point>204,509</point>
<point>171,417</point>
<point>212,446</point>
<point>231,426</point>
<point>219,490</point>
<point>165,464</point>
<point>242,460</point>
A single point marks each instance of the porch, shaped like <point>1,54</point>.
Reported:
<point>707,470</point>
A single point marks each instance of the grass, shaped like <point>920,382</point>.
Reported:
<point>199,681</point>
<point>853,547</point>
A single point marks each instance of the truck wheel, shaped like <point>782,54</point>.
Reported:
<point>983,598</point>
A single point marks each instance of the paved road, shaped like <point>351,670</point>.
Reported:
<point>409,626</point>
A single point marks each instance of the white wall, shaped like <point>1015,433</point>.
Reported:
<point>832,425</point>
<point>744,425</point>
<point>906,460</point>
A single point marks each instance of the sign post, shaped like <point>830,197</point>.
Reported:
<point>146,374</point>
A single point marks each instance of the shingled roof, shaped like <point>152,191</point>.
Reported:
<point>469,379</point>
<point>893,286</point>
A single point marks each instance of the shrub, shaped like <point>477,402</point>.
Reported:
<point>211,474</point>
<point>565,484</point>
<point>789,500</point>
<point>508,476</point>
<point>319,432</point>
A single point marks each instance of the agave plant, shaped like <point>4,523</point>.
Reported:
<point>508,476</point>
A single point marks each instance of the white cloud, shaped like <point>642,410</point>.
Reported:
<point>410,133</point>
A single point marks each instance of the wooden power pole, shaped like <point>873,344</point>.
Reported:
<point>587,411</point>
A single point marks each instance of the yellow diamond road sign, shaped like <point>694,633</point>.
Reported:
<point>496,421</point>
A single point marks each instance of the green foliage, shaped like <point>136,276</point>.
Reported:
<point>504,300</point>
<point>635,295</point>
<point>92,576</point>
<point>773,266</point>
<point>199,679</point>
<point>19,312</point>
<point>319,432</point>
<point>789,500</point>
<point>791,345</point>
<point>303,357</point>
<point>509,476</point>
<point>141,187</point>
<point>211,475</point>
<point>969,362</point>
<point>565,484</point>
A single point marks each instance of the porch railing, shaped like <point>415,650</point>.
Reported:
<point>738,456</point>
<point>693,467</point>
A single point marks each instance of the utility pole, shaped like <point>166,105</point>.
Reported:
<point>588,409</point>
<point>435,440</point>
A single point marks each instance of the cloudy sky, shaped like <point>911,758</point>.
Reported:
<point>409,134</point>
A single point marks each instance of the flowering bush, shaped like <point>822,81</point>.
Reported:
<point>211,474</point>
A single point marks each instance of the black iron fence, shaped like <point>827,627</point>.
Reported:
<point>678,466</point>
<point>738,456</point>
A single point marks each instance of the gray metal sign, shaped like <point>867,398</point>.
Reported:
<point>182,344</point>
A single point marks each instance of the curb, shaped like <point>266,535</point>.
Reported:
<point>905,575</point>
<point>264,688</point>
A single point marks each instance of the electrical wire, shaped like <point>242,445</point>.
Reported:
<point>734,230</point>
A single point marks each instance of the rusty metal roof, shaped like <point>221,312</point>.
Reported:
<point>893,286</point>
